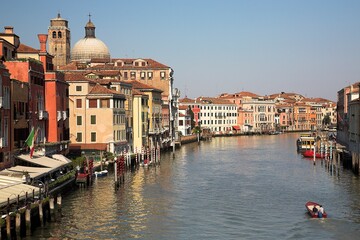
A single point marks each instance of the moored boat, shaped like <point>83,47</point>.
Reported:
<point>306,141</point>
<point>101,173</point>
<point>310,154</point>
<point>311,206</point>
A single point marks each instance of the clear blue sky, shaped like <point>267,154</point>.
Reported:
<point>311,47</point>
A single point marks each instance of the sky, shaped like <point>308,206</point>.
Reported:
<point>310,47</point>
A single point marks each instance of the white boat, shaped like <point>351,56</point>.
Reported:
<point>101,173</point>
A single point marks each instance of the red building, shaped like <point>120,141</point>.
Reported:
<point>5,117</point>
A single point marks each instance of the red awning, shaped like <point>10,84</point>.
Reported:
<point>236,127</point>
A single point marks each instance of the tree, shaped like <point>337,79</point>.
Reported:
<point>326,121</point>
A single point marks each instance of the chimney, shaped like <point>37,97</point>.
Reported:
<point>9,29</point>
<point>42,39</point>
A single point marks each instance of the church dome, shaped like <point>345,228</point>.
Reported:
<point>90,47</point>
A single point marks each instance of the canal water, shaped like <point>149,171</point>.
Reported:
<point>246,187</point>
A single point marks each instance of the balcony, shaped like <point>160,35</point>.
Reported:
<point>43,115</point>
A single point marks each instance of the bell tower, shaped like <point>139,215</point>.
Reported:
<point>59,41</point>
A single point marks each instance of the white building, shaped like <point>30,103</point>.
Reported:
<point>263,113</point>
<point>184,121</point>
<point>216,114</point>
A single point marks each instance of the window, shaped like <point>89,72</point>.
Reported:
<point>92,103</point>
<point>79,137</point>
<point>125,75</point>
<point>78,103</point>
<point>59,34</point>
<point>93,137</point>
<point>104,103</point>
<point>78,88</point>
<point>54,34</point>
<point>93,119</point>
<point>132,75</point>
<point>79,120</point>
<point>181,123</point>
<point>162,75</point>
<point>142,75</point>
<point>150,75</point>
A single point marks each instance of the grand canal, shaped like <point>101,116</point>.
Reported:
<point>246,187</point>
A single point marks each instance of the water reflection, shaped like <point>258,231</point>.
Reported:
<point>250,187</point>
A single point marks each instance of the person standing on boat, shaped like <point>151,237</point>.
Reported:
<point>321,211</point>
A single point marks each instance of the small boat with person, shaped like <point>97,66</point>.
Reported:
<point>315,210</point>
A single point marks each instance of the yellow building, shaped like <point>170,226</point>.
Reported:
<point>155,128</point>
<point>140,120</point>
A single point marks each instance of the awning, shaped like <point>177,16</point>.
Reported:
<point>42,161</point>
<point>34,172</point>
<point>236,127</point>
<point>11,188</point>
<point>62,158</point>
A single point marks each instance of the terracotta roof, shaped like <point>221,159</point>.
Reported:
<point>139,85</point>
<point>103,72</point>
<point>26,49</point>
<point>247,94</point>
<point>70,66</point>
<point>237,95</point>
<point>213,100</point>
<point>137,92</point>
<point>182,107</point>
<point>150,63</point>
<point>104,81</point>
<point>186,100</point>
<point>98,89</point>
<point>69,77</point>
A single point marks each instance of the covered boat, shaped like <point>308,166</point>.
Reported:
<point>313,209</point>
<point>306,141</point>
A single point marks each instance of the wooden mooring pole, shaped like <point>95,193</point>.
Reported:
<point>28,219</point>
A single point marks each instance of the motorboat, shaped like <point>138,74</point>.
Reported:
<point>313,210</point>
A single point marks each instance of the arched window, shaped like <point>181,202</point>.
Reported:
<point>59,34</point>
<point>54,34</point>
